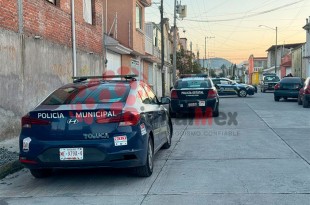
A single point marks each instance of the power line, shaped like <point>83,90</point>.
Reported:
<point>246,16</point>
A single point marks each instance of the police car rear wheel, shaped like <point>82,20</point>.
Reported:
<point>299,100</point>
<point>147,169</point>
<point>242,93</point>
<point>305,103</point>
<point>216,111</point>
<point>41,173</point>
<point>169,136</point>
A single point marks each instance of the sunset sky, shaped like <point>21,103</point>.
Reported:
<point>234,24</point>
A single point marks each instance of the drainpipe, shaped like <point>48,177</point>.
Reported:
<point>73,39</point>
<point>104,51</point>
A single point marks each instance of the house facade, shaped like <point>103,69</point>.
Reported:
<point>275,54</point>
<point>286,65</point>
<point>36,51</point>
<point>298,63</point>
<point>125,29</point>
<point>256,65</point>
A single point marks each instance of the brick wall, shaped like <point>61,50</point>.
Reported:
<point>53,23</point>
<point>8,15</point>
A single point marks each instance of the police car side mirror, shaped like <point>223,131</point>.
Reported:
<point>165,100</point>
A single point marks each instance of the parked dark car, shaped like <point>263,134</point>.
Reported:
<point>304,94</point>
<point>226,86</point>
<point>194,94</point>
<point>97,123</point>
<point>268,82</point>
<point>288,87</point>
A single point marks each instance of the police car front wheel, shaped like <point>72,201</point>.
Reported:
<point>242,93</point>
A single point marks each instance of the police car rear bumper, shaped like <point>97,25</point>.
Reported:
<point>96,153</point>
<point>190,106</point>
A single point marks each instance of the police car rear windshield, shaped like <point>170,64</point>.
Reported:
<point>91,94</point>
<point>271,78</point>
<point>193,83</point>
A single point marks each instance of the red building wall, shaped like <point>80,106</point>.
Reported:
<point>286,62</point>
<point>8,15</point>
<point>53,23</point>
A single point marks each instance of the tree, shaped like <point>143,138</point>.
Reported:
<point>212,73</point>
<point>186,63</point>
<point>223,74</point>
<point>234,67</point>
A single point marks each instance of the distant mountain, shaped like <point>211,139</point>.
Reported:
<point>215,62</point>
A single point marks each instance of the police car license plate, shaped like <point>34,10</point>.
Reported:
<point>202,103</point>
<point>71,154</point>
<point>192,104</point>
<point>120,140</point>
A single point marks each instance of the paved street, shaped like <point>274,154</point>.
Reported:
<point>259,155</point>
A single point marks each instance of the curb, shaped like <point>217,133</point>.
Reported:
<point>10,168</point>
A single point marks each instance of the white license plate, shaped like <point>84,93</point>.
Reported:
<point>202,103</point>
<point>192,104</point>
<point>71,153</point>
<point>120,140</point>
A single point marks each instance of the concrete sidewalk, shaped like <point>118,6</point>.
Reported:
<point>9,162</point>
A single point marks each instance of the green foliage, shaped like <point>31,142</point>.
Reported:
<point>186,63</point>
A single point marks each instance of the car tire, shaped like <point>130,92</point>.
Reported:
<point>147,169</point>
<point>216,112</point>
<point>263,91</point>
<point>285,98</point>
<point>305,103</point>
<point>41,173</point>
<point>276,98</point>
<point>167,145</point>
<point>173,115</point>
<point>299,100</point>
<point>242,93</point>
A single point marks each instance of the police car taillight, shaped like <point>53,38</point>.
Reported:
<point>27,121</point>
<point>307,90</point>
<point>277,86</point>
<point>130,118</point>
<point>126,119</point>
<point>174,94</point>
<point>212,93</point>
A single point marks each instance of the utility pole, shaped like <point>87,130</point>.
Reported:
<point>205,54</point>
<point>209,61</point>
<point>162,47</point>
<point>275,53</point>
<point>191,58</point>
<point>174,43</point>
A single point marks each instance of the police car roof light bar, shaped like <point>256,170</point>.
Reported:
<point>83,78</point>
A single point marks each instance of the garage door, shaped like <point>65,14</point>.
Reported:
<point>114,62</point>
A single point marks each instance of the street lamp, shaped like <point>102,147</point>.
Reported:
<point>275,50</point>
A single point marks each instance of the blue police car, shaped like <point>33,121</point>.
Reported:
<point>194,94</point>
<point>226,86</point>
<point>96,122</point>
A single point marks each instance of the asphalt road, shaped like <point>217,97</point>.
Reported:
<point>258,154</point>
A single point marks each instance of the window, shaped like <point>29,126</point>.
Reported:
<point>93,94</point>
<point>55,2</point>
<point>143,96</point>
<point>138,17</point>
<point>151,94</point>
<point>87,11</point>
